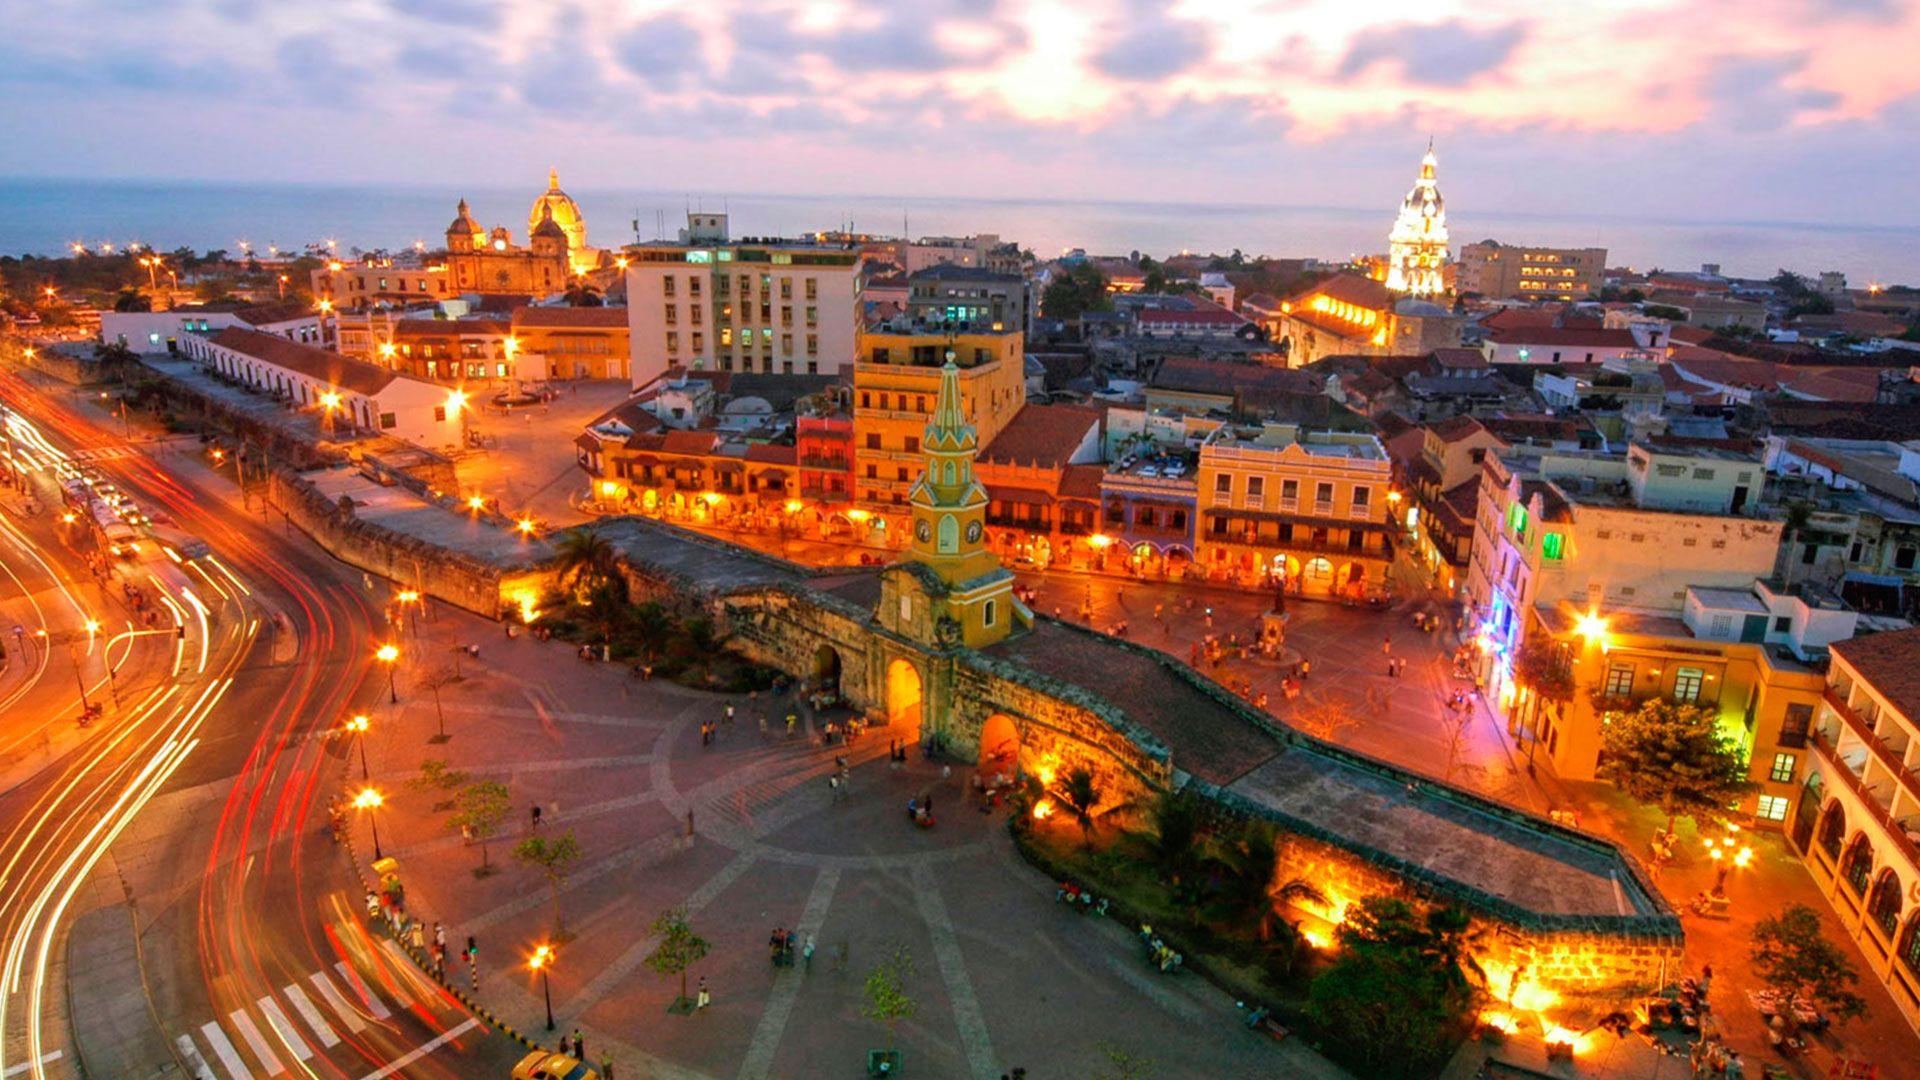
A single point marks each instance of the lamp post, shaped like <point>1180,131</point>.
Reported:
<point>358,725</point>
<point>406,597</point>
<point>389,655</point>
<point>329,401</point>
<point>539,962</point>
<point>1725,858</point>
<point>369,800</point>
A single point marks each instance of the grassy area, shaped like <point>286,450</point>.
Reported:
<point>682,648</point>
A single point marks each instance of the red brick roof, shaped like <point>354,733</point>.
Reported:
<point>1351,288</point>
<point>559,317</point>
<point>1575,337</point>
<point>771,453</point>
<point>1081,481</point>
<point>1041,435</point>
<point>267,314</point>
<point>1515,318</point>
<point>1455,359</point>
<point>1890,663</point>
<point>688,442</point>
<point>1455,428</point>
<point>331,368</point>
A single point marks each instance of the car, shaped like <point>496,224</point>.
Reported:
<point>548,1065</point>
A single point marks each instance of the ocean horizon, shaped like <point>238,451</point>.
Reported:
<point>45,216</point>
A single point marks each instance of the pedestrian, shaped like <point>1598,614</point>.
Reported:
<point>579,1046</point>
<point>536,815</point>
<point>729,714</point>
<point>373,904</point>
<point>1386,644</point>
<point>1706,981</point>
<point>705,998</point>
<point>439,935</point>
<point>806,952</point>
<point>473,963</point>
<point>1733,1070</point>
<point>417,936</point>
<point>606,1068</point>
<point>440,961</point>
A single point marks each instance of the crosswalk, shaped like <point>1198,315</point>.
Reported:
<point>103,453</point>
<point>278,1033</point>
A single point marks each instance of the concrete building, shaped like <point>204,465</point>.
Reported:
<point>1309,511</point>
<point>1714,312</point>
<point>896,382</point>
<point>1499,271</point>
<point>966,296</point>
<point>1862,533</point>
<point>155,332</point>
<point>1856,821</point>
<point>774,307</point>
<point>379,282</point>
<point>1605,532</point>
<point>1445,485</point>
<point>351,395</point>
<point>571,342</point>
<point>1349,315</point>
<point>1549,345</point>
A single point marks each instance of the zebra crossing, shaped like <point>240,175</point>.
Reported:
<point>103,453</point>
<point>277,1034</point>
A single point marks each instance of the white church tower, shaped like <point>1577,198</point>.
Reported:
<point>1417,246</point>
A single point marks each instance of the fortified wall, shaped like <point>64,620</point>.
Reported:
<point>1562,911</point>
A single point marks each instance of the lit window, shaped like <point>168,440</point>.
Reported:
<point>1552,545</point>
<point>1686,684</point>
<point>1782,771</point>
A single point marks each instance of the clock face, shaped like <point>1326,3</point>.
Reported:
<point>973,532</point>
<point>923,530</point>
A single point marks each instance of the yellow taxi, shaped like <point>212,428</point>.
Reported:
<point>547,1065</point>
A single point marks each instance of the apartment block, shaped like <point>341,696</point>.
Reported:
<point>1499,271</point>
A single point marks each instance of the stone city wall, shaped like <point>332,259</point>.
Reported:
<point>411,562</point>
<point>48,360</point>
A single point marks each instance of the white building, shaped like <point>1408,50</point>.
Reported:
<point>360,396</point>
<point>154,332</point>
<point>1549,345</point>
<point>778,307</point>
<point>1417,246</point>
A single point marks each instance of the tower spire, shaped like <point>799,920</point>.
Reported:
<point>553,179</point>
<point>947,414</point>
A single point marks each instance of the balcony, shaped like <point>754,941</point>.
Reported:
<point>1896,832</point>
<point>816,461</point>
<point>1889,757</point>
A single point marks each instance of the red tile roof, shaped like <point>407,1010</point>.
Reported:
<point>1205,316</point>
<point>1455,428</point>
<point>1041,435</point>
<point>268,314</point>
<point>1081,481</point>
<point>1454,359</point>
<point>688,442</point>
<point>1350,288</point>
<point>356,376</point>
<point>1515,318</point>
<point>1574,337</point>
<point>1890,663</point>
<point>771,454</point>
<point>564,317</point>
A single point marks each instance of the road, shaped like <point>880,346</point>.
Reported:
<point>170,865</point>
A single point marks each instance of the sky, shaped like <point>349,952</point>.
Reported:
<point>1722,110</point>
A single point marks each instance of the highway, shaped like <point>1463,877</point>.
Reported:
<point>197,802</point>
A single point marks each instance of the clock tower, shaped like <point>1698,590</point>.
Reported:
<point>969,595</point>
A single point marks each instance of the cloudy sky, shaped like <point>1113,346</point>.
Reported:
<point>1807,110</point>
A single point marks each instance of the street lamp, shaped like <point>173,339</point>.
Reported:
<point>525,525</point>
<point>329,401</point>
<point>476,503</point>
<point>1725,858</point>
<point>390,655</point>
<point>409,596</point>
<point>369,800</point>
<point>358,725</point>
<point>540,961</point>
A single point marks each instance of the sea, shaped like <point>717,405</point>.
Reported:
<point>46,216</point>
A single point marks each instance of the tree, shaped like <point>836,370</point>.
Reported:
<point>679,948</point>
<point>1398,995</point>
<point>1795,960</point>
<point>581,294</point>
<point>887,999</point>
<point>479,810</point>
<point>1789,284</point>
<point>1810,304</point>
<point>1455,725</point>
<point>1123,1064</point>
<point>436,776</point>
<point>554,856</point>
<point>1174,844</point>
<point>1078,290</point>
<point>1675,757</point>
<point>1243,885</point>
<point>1080,795</point>
<point>586,559</point>
<point>436,679</point>
<point>132,299</point>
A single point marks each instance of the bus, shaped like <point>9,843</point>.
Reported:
<point>111,532</point>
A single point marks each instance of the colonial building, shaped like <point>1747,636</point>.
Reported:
<point>349,395</point>
<point>770,306</point>
<point>1445,483</point>
<point>1417,246</point>
<point>152,332</point>
<point>1858,813</point>
<point>1305,510</point>
<point>1350,315</point>
<point>488,261</point>
<point>895,384</point>
<point>572,342</point>
<point>380,281</point>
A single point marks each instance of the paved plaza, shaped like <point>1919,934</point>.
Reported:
<point>526,460</point>
<point>1005,977</point>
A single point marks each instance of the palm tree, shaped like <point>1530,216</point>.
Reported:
<point>1243,886</point>
<point>586,559</point>
<point>1174,844</point>
<point>581,294</point>
<point>132,299</point>
<point>1080,796</point>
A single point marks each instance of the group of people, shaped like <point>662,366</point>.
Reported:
<point>1082,901</point>
<point>1159,953</point>
<point>780,949</point>
<point>920,810</point>
<point>1712,1058</point>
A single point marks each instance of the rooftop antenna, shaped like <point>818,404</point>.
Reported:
<point>905,232</point>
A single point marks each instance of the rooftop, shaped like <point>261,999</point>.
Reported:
<point>1888,663</point>
<point>331,368</point>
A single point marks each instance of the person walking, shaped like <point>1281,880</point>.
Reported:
<point>473,963</point>
<point>417,936</point>
<point>704,998</point>
<point>579,1046</point>
<point>535,811</point>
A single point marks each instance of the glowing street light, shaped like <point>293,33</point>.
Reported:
<point>358,726</point>
<point>539,962</point>
<point>1592,626</point>
<point>389,655</point>
<point>369,800</point>
<point>329,401</point>
<point>476,502</point>
<point>525,525</point>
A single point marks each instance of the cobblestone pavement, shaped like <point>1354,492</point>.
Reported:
<point>1004,976</point>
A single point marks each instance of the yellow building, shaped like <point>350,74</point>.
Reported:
<point>896,382</point>
<point>1307,509</point>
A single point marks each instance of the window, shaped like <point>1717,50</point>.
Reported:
<point>1782,771</point>
<point>873,442</point>
<point>1323,496</point>
<point>913,444</point>
<point>1223,485</point>
<point>1517,518</point>
<point>1884,905</point>
<point>1833,829</point>
<point>1795,725</point>
<point>1858,865</point>
<point>1289,492</point>
<point>813,288</point>
<point>439,414</point>
<point>989,611</point>
<point>813,345</point>
<point>1782,623</point>
<point>1553,545</point>
<point>1722,625</point>
<point>1686,684</point>
<point>673,341</point>
<point>699,342</point>
<point>1771,808</point>
<point>388,420</point>
<point>1256,489</point>
<point>1362,498</point>
<point>693,286</point>
<point>1903,559</point>
<point>666,288</point>
<point>1619,680</point>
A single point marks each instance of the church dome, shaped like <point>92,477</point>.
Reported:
<point>564,212</point>
<point>463,222</point>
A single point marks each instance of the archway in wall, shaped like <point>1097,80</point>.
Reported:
<point>1317,576</point>
<point>903,697</point>
<point>999,749</point>
<point>1352,580</point>
<point>826,669</point>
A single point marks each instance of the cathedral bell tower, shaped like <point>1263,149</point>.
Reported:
<point>966,596</point>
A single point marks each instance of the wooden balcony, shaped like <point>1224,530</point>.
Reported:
<point>1894,830</point>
